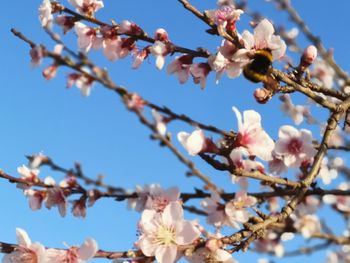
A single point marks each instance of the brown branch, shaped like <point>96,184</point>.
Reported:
<point>200,52</point>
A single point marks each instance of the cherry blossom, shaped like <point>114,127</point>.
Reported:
<point>45,14</point>
<point>276,165</point>
<point>159,49</point>
<point>129,27</point>
<point>252,136</point>
<point>326,173</point>
<point>79,208</point>
<point>296,112</point>
<point>82,81</point>
<point>307,225</point>
<point>226,15</point>
<point>117,47</point>
<point>160,122</point>
<point>36,54</point>
<point>161,234</point>
<point>194,143</point>
<point>74,254</point>
<point>35,197</point>
<point>270,243</point>
<point>308,206</point>
<point>27,251</point>
<point>205,255</point>
<point>181,67</point>
<point>87,37</point>
<point>139,57</point>
<point>66,22</point>
<point>88,7</point>
<point>29,175</point>
<point>153,197</point>
<point>294,146</point>
<point>200,72</point>
<point>263,39</point>
<point>323,74</point>
<point>341,203</point>
<point>136,102</point>
<point>50,72</point>
<point>232,213</point>
<point>55,197</point>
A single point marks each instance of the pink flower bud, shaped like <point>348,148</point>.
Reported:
<point>262,95</point>
<point>161,35</point>
<point>309,55</point>
<point>50,72</point>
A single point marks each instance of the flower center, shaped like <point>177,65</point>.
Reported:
<point>295,146</point>
<point>165,235</point>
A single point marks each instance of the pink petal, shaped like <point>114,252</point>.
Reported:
<point>88,249</point>
<point>166,254</point>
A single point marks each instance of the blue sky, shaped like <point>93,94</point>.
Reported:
<point>38,115</point>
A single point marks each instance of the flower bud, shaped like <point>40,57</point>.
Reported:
<point>309,55</point>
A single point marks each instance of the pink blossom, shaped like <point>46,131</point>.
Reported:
<point>225,14</point>
<point>307,225</point>
<point>29,175</point>
<point>161,234</point>
<point>50,72</point>
<point>159,50</point>
<point>117,47</point>
<point>252,136</point>
<point>82,81</point>
<point>323,73</point>
<point>276,165</point>
<point>203,254</point>
<point>239,157</point>
<point>294,146</point>
<point>235,209</point>
<point>160,122</point>
<point>27,251</point>
<point>161,35</point>
<point>56,197</point>
<point>88,7</point>
<point>45,14</point>
<point>232,213</point>
<point>326,173</point>
<point>270,243</point>
<point>129,27</point>
<point>153,197</point>
<point>308,206</point>
<point>36,54</point>
<point>199,72</point>
<point>340,202</point>
<point>66,22</point>
<point>35,197</point>
<point>263,38</point>
<point>194,143</point>
<point>74,254</point>
<point>36,160</point>
<point>79,208</point>
<point>136,102</point>
<point>181,67</point>
<point>87,37</point>
<point>296,112</point>
<point>139,57</point>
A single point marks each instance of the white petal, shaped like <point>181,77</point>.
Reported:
<point>23,238</point>
<point>88,249</point>
<point>239,117</point>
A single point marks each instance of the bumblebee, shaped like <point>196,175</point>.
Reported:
<point>257,70</point>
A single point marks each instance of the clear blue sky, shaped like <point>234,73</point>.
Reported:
<point>38,115</point>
